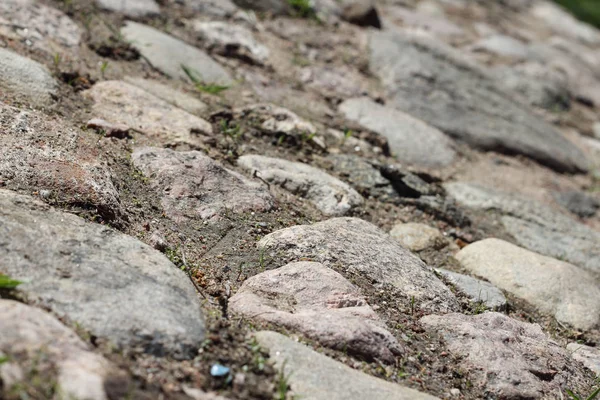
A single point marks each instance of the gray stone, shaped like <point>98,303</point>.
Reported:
<point>312,299</point>
<point>218,8</point>
<point>43,154</point>
<point>170,55</point>
<point>411,140</point>
<point>588,356</point>
<point>111,284</point>
<point>434,83</point>
<point>555,287</point>
<point>476,289</point>
<point>596,129</point>
<point>26,79</point>
<point>274,119</point>
<point>364,177</point>
<point>28,334</point>
<point>509,358</point>
<point>563,23</point>
<point>330,195</point>
<point>169,94</point>
<point>504,46</point>
<point>354,246</point>
<point>231,40</point>
<point>418,237</point>
<point>536,84</point>
<point>533,225</point>
<point>314,376</point>
<point>131,8</point>
<point>579,203</point>
<point>195,186</point>
<point>39,26</point>
<point>122,103</point>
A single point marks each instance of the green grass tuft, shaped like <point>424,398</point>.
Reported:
<point>7,282</point>
<point>585,10</point>
<point>196,78</point>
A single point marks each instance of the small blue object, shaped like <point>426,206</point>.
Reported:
<point>219,370</point>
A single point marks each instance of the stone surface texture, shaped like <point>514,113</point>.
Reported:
<point>354,246</point>
<point>112,285</point>
<point>555,287</point>
<point>320,303</point>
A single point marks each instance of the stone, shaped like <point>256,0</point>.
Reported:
<point>410,140</point>
<point>508,358</point>
<point>365,177</point>
<point>169,94</point>
<point>231,40</point>
<point>275,7</point>
<point>28,334</point>
<point>596,130</point>
<point>588,356</point>
<point>217,8</point>
<point>119,102</point>
<point>330,195</point>
<point>579,203</point>
<point>421,22</point>
<point>193,185</point>
<point>478,291</point>
<point>318,302</point>
<point>39,26</point>
<point>504,46</point>
<point>49,155</point>
<point>435,83</point>
<point>555,287</point>
<point>563,23</point>
<point>536,84</point>
<point>111,284</point>
<point>361,12</point>
<point>108,129</point>
<point>354,246</point>
<point>534,225</point>
<point>339,81</point>
<point>131,8</point>
<point>314,376</point>
<point>274,119</point>
<point>26,79</point>
<point>418,237</point>
<point>170,55</point>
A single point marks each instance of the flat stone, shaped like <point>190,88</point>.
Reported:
<point>131,8</point>
<point>504,46</point>
<point>555,287</point>
<point>354,246</point>
<point>418,237</point>
<point>39,26</point>
<point>538,85</point>
<point>508,358</point>
<point>111,284</point>
<point>365,177</point>
<point>231,40</point>
<point>438,85</point>
<point>314,376</point>
<point>534,225</point>
<point>122,103</point>
<point>411,140</point>
<point>312,299</point>
<point>169,94</point>
<point>330,195</point>
<point>476,289</point>
<point>26,78</point>
<point>275,7</point>
<point>579,203</point>
<point>49,155</point>
<point>334,81</point>
<point>195,186</point>
<point>34,340</point>
<point>169,55</point>
<point>596,130</point>
<point>588,356</point>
